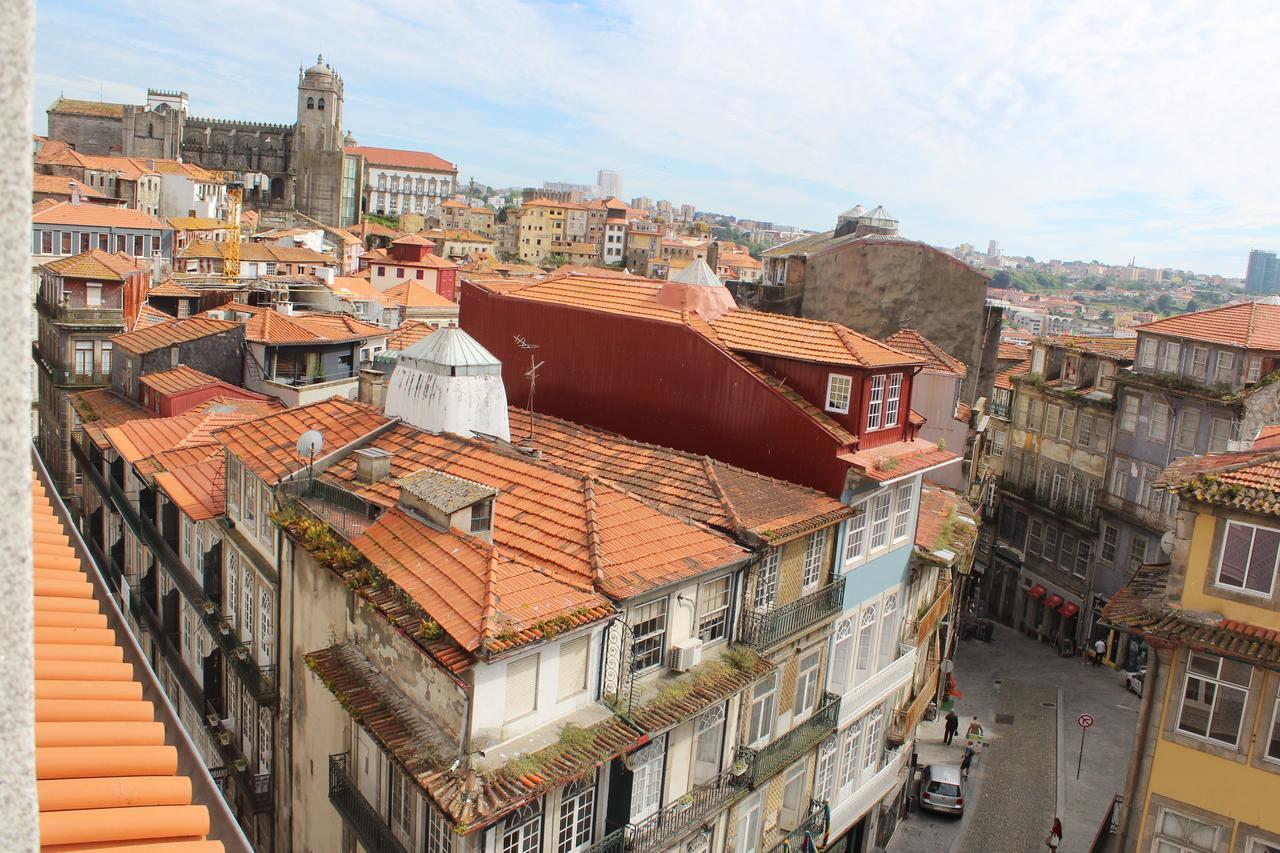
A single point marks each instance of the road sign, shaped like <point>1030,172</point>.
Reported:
<point>1085,721</point>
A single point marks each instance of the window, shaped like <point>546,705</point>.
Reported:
<point>522,832</point>
<point>46,242</point>
<point>872,744</point>
<point>1188,429</point>
<point>793,796</point>
<point>1035,537</point>
<point>880,521</point>
<point>1137,551</point>
<point>402,803</point>
<point>1147,353</point>
<point>1083,552</point>
<point>1037,360</point>
<point>1020,411</point>
<point>713,609</point>
<point>1213,698</point>
<point>1052,420</point>
<point>233,596</point>
<point>889,629</point>
<point>866,643</point>
<point>838,390</point>
<point>577,814</point>
<point>747,835</point>
<point>1110,541</point>
<point>1129,413</point>
<point>1050,552</point>
<point>1169,358</point>
<point>482,516</point>
<point>64,244</point>
<point>850,762</point>
<point>708,744</point>
<point>855,537</point>
<point>1273,741</point>
<point>1253,369</point>
<point>766,592</point>
<point>764,706</point>
<point>320,104</point>
<point>1219,435</point>
<point>1248,558</point>
<point>893,400</point>
<point>1068,425</point>
<point>824,775</point>
<point>841,653</point>
<point>902,512</point>
<point>311,103</point>
<point>997,442</point>
<point>250,505</point>
<point>1036,418</point>
<point>807,685</point>
<point>1158,429</point>
<point>522,687</point>
<point>1199,362</point>
<point>266,636</point>
<point>646,782</point>
<point>1106,376</point>
<point>650,631</point>
<point>106,358</point>
<point>246,605</point>
<point>815,550</point>
<point>1223,369</point>
<point>573,668</point>
<point>1176,833</point>
<point>1067,553</point>
<point>84,358</point>
<point>399,272</point>
<point>875,403</point>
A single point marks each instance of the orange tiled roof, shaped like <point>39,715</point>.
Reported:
<point>161,335</point>
<point>479,595</point>
<point>169,287</point>
<point>684,484</point>
<point>898,459</point>
<point>408,334</point>
<point>61,185</point>
<point>1006,375</point>
<point>242,401</point>
<point>412,240</point>
<point>198,490</point>
<point>136,440</point>
<point>1252,325</point>
<point>178,457</point>
<point>181,378</point>
<point>435,262</point>
<point>338,327</point>
<point>807,340</point>
<point>401,158</point>
<point>410,294</point>
<point>105,776</point>
<point>356,288</point>
<point>1117,349</point>
<point>1009,351</point>
<point>935,357</point>
<point>101,215</point>
<point>570,526</point>
<point>1247,480</point>
<point>102,408</point>
<point>97,265</point>
<point>937,507</point>
<point>268,446</point>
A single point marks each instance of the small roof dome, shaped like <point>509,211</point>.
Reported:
<point>452,352</point>
<point>320,68</point>
<point>697,289</point>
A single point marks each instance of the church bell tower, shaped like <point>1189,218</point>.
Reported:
<point>319,125</point>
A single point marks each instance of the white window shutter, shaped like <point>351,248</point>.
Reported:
<point>573,668</point>
<point>522,687</point>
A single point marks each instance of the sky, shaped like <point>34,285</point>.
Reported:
<point>1077,131</point>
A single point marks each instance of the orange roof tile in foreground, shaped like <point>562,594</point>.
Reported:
<point>97,265</point>
<point>136,440</point>
<point>268,446</point>
<point>198,490</point>
<point>1252,325</point>
<point>151,338</point>
<point>181,378</point>
<point>935,357</point>
<point>105,778</point>
<point>899,459</point>
<point>408,334</point>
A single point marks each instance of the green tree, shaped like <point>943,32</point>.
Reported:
<point>1001,279</point>
<point>1192,306</point>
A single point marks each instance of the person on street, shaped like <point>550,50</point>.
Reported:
<point>966,762</point>
<point>1099,651</point>
<point>953,726</point>
<point>1055,835</point>
<point>974,732</point>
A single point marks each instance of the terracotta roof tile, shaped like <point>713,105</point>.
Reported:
<point>102,408</point>
<point>75,106</point>
<point>198,490</point>
<point>407,334</point>
<point>97,265</point>
<point>169,287</point>
<point>1252,325</point>
<point>806,340</point>
<point>938,506</point>
<point>410,294</point>
<point>1116,349</point>
<point>272,327</point>
<point>161,335</point>
<point>1011,351</point>
<point>935,357</point>
<point>180,378</point>
<point>99,782</point>
<point>402,159</point>
<point>339,327</point>
<point>1247,480</point>
<point>1006,375</point>
<point>136,440</point>
<point>898,459</point>
<point>61,185</point>
<point>101,215</point>
<point>148,316</point>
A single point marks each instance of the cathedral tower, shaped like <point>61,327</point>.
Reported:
<point>319,125</point>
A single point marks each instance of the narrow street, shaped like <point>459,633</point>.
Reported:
<point>1028,700</point>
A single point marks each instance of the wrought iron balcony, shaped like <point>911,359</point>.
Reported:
<point>768,629</point>
<point>374,833</point>
<point>685,814</point>
<point>82,315</point>
<point>765,762</point>
<point>259,678</point>
<point>1000,410</point>
<point>1061,507</point>
<point>906,719</point>
<point>814,824</point>
<point>256,787</point>
<point>62,376</point>
<point>614,842</point>
<point>1144,515</point>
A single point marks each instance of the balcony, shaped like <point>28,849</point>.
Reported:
<point>814,824</point>
<point>81,315</point>
<point>924,627</point>
<point>765,630</point>
<point>62,376</point>
<point>614,842</point>
<point>906,719</point>
<point>374,833</point>
<point>1086,518</point>
<point>1147,517</point>
<point>765,762</point>
<point>255,787</point>
<point>685,814</point>
<point>1000,410</point>
<point>259,678</point>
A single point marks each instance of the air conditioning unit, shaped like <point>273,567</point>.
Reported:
<point>686,654</point>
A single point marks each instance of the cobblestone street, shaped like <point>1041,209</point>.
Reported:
<point>1028,700</point>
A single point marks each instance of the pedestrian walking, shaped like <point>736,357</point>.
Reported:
<point>1099,652</point>
<point>952,726</point>
<point>967,761</point>
<point>974,732</point>
<point>1055,835</point>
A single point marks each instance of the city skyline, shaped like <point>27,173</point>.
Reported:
<point>1030,143</point>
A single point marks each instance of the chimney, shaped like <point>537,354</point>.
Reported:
<point>75,192</point>
<point>713,255</point>
<point>151,165</point>
<point>157,267</point>
<point>325,274</point>
<point>372,464</point>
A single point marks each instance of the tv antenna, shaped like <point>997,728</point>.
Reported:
<point>532,375</point>
<point>310,443</point>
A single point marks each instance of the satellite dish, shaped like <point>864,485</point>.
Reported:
<point>310,443</point>
<point>1166,542</point>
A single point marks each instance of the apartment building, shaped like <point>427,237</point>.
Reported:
<point>65,228</point>
<point>411,258</point>
<point>1055,463</point>
<point>937,398</point>
<point>1205,770</point>
<point>1199,382</point>
<point>398,181</point>
<point>539,223</point>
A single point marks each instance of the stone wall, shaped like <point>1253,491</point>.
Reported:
<point>88,134</point>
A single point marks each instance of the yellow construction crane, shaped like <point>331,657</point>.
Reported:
<point>231,260</point>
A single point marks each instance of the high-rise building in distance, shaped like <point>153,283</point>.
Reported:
<point>1263,275</point>
<point>609,182</point>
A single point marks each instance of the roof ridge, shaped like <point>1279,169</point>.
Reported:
<point>727,505</point>
<point>591,515</point>
<point>489,609</point>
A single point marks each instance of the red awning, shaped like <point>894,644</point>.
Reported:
<point>1037,591</point>
<point>1053,601</point>
<point>1069,609</point>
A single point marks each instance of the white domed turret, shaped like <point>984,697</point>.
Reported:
<point>320,68</point>
<point>447,382</point>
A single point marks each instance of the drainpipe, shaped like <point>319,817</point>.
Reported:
<point>1137,762</point>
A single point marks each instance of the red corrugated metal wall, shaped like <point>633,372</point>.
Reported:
<point>653,381</point>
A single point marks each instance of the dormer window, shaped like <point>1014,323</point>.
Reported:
<point>839,389</point>
<point>482,516</point>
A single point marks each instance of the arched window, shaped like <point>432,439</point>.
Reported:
<point>311,103</point>
<point>522,832</point>
<point>320,104</point>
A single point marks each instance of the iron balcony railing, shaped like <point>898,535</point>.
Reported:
<point>374,833</point>
<point>614,842</point>
<point>256,787</point>
<point>685,814</point>
<point>1062,507</point>
<point>62,376</point>
<point>1000,410</point>
<point>101,315</point>
<point>259,678</point>
<point>765,762</point>
<point>1144,515</point>
<point>768,629</point>
<point>814,824</point>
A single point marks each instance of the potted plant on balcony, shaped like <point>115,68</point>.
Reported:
<point>208,606</point>
<point>739,767</point>
<point>224,628</point>
<point>682,805</point>
<point>240,764</point>
<point>212,717</point>
<point>224,737</point>
<point>242,652</point>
